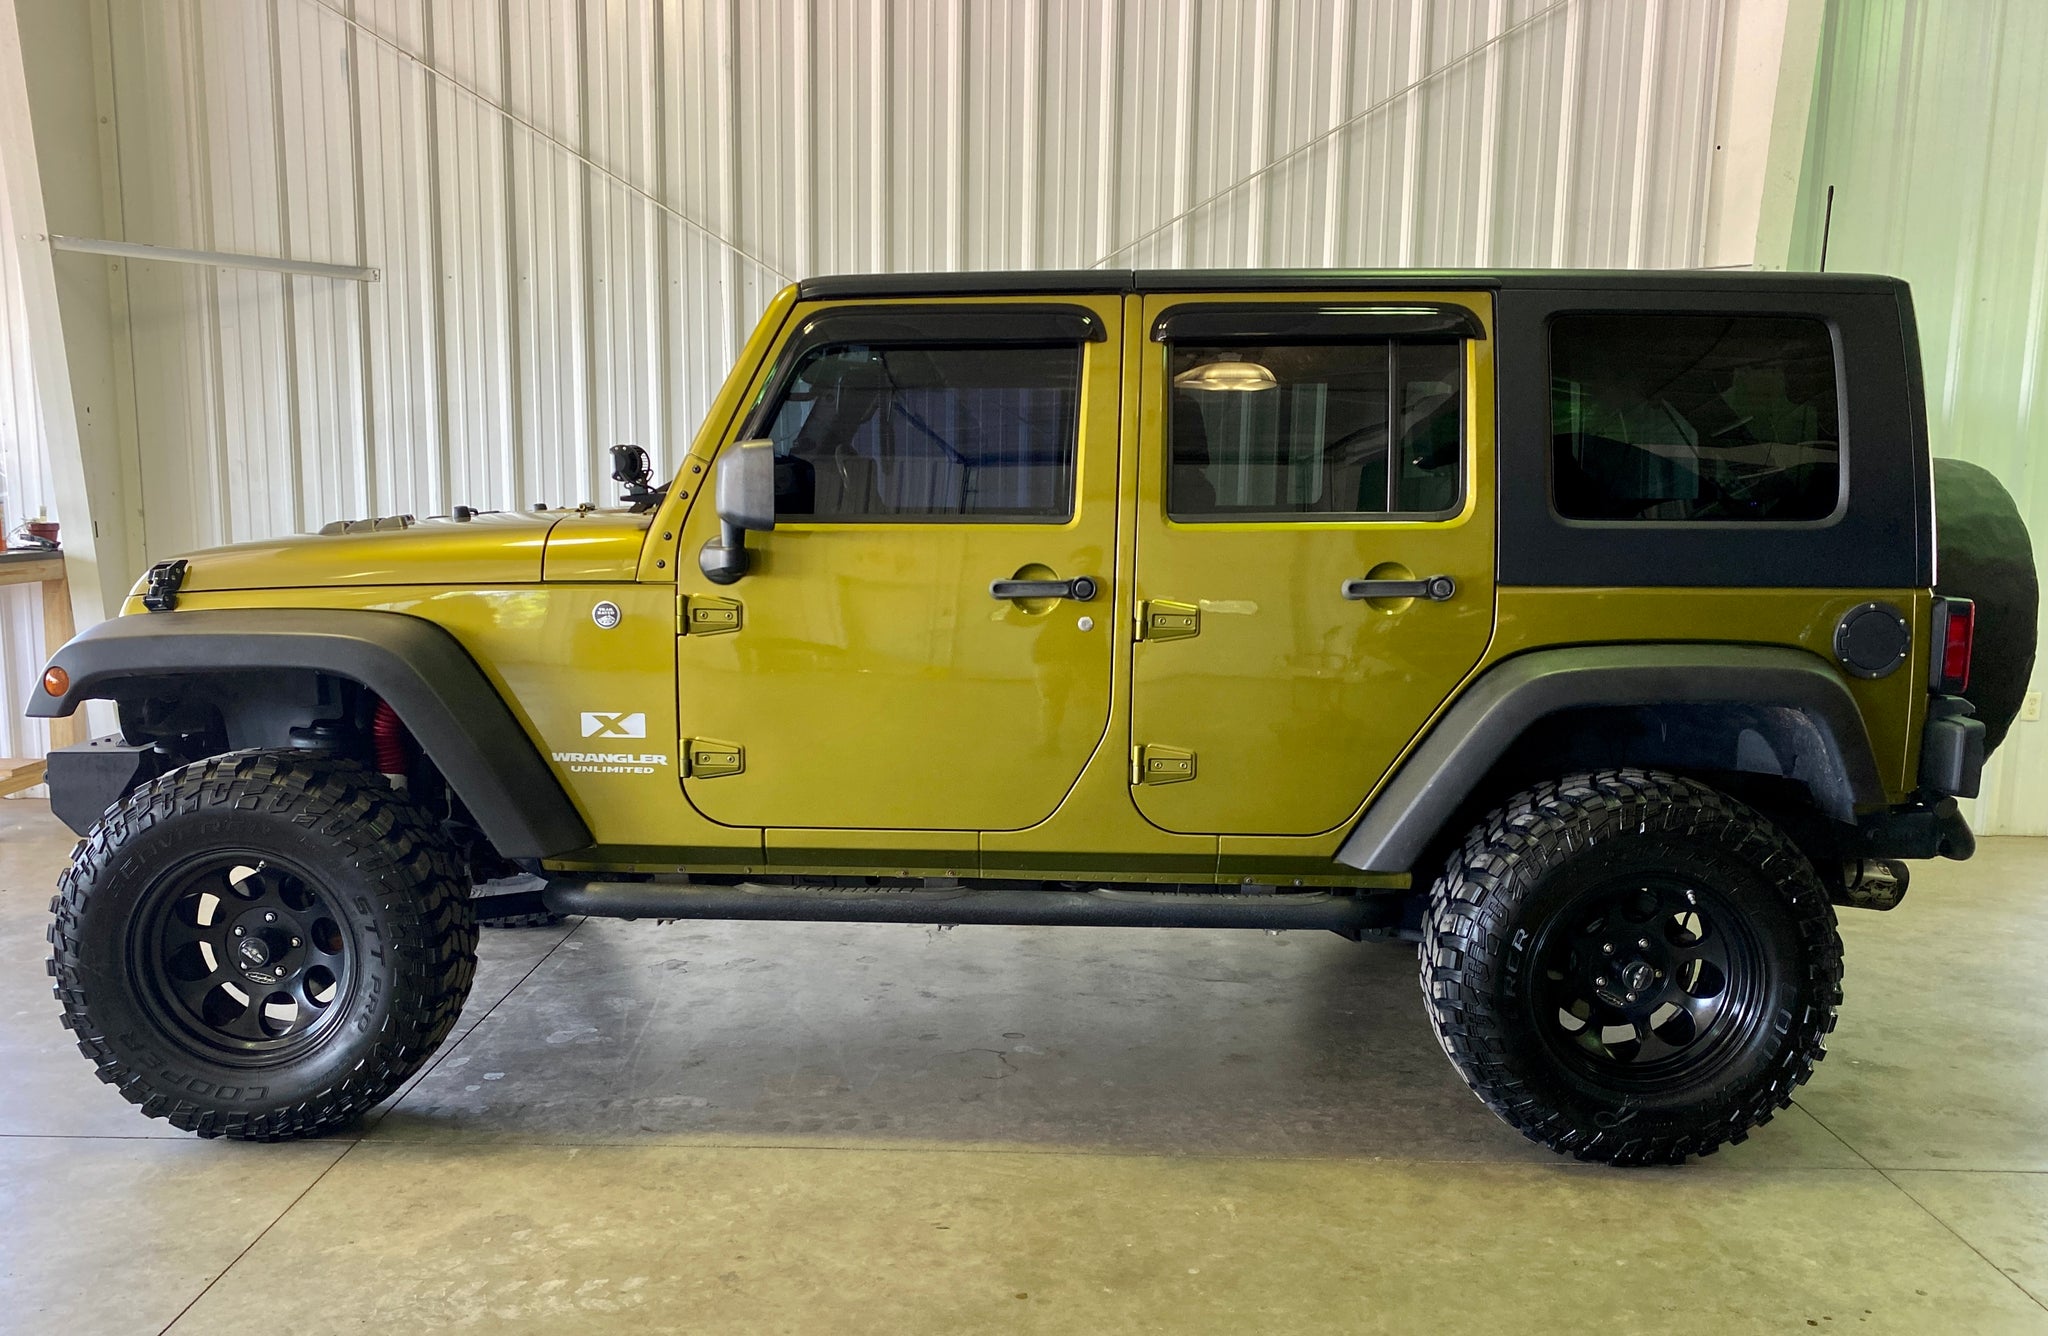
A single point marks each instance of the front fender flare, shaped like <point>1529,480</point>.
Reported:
<point>454,713</point>
<point>1506,700</point>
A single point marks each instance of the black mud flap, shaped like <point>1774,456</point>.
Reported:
<point>86,779</point>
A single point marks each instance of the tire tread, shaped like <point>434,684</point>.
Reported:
<point>1469,924</point>
<point>425,923</point>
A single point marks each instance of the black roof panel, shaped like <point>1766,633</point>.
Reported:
<point>1041,282</point>
<point>967,283</point>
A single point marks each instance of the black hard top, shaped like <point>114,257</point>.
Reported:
<point>1043,282</point>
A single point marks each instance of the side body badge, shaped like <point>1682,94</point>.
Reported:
<point>606,615</point>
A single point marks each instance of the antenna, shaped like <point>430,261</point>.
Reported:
<point>1827,225</point>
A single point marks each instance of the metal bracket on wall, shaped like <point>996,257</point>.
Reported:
<point>137,250</point>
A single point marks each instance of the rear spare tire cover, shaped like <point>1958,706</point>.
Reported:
<point>1984,554</point>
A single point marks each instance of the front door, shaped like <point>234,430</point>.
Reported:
<point>1315,548</point>
<point>902,657</point>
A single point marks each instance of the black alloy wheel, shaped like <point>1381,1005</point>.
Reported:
<point>250,960</point>
<point>1647,984</point>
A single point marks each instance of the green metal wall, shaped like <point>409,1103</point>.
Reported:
<point>1930,120</point>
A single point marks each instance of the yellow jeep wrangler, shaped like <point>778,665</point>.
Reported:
<point>1582,629</point>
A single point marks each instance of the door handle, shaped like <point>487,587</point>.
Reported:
<point>1080,589</point>
<point>1435,588</point>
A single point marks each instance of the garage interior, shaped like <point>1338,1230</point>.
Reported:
<point>268,265</point>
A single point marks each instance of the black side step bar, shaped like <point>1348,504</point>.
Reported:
<point>959,904</point>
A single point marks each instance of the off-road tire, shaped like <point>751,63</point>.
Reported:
<point>1528,860</point>
<point>395,888</point>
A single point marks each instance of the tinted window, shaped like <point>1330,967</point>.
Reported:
<point>1306,429</point>
<point>1693,417</point>
<point>866,432</point>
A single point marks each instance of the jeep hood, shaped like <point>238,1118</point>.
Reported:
<point>487,550</point>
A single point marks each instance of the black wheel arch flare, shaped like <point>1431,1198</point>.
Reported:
<point>458,718</point>
<point>1803,692</point>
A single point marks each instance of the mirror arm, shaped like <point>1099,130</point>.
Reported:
<point>724,559</point>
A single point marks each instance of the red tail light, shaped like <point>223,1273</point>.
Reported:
<point>1955,626</point>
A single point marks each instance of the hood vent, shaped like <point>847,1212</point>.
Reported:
<point>375,524</point>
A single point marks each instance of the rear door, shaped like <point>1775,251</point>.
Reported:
<point>875,669</point>
<point>1315,547</point>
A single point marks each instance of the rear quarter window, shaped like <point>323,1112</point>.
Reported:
<point>1660,418</point>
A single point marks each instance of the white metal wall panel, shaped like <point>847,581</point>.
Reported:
<point>578,206</point>
<point>323,320</point>
<point>24,455</point>
<point>1930,124</point>
<point>389,98</point>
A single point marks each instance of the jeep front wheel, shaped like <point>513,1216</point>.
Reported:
<point>1631,967</point>
<point>262,945</point>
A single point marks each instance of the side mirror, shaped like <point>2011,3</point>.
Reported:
<point>746,500</point>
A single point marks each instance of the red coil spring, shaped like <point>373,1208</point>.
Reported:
<point>387,737</point>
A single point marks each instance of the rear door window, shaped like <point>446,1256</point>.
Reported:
<point>1694,418</point>
<point>1346,430</point>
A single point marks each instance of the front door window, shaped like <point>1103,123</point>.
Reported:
<point>917,432</point>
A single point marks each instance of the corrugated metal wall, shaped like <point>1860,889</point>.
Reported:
<point>578,207</point>
<point>1930,123</point>
<point>23,457</point>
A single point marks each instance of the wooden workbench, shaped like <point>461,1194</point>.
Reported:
<point>47,570</point>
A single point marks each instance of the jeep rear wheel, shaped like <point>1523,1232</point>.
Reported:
<point>262,945</point>
<point>1631,967</point>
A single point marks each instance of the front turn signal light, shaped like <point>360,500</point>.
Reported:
<point>56,681</point>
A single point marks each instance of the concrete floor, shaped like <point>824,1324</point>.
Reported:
<point>816,1128</point>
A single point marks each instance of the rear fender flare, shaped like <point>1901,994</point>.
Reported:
<point>1839,768</point>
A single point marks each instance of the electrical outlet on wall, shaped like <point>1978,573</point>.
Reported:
<point>2030,707</point>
